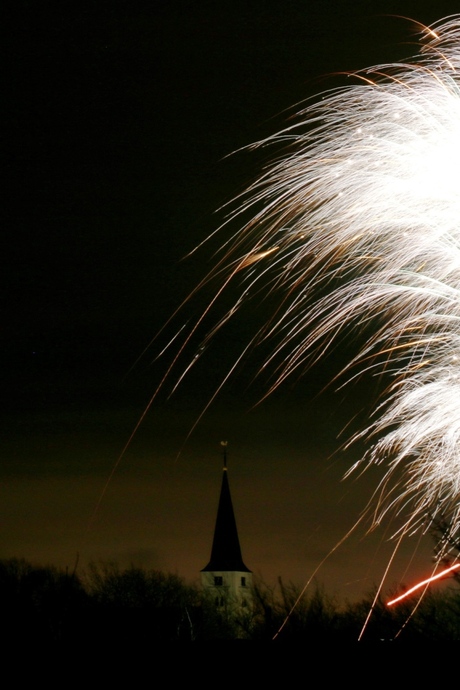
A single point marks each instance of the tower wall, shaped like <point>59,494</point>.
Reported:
<point>228,589</point>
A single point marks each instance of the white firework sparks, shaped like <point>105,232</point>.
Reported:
<point>358,222</point>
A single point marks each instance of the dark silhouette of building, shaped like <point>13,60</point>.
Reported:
<point>226,579</point>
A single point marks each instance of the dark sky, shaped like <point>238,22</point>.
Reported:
<point>119,120</point>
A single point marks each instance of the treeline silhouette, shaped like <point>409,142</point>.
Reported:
<point>133,608</point>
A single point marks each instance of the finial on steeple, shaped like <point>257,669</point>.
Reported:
<point>224,453</point>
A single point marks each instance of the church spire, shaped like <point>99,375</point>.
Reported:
<point>226,550</point>
<point>226,578</point>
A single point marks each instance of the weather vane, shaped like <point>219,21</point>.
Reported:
<point>224,445</point>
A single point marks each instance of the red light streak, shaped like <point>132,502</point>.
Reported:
<point>424,582</point>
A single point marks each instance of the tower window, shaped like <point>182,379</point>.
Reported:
<point>243,582</point>
<point>218,580</point>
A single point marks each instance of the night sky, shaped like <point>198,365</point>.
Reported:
<point>120,119</point>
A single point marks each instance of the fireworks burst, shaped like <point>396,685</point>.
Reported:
<point>357,224</point>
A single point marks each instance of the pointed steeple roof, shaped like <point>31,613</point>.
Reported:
<point>226,550</point>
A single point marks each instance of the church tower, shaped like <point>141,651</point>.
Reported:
<point>226,579</point>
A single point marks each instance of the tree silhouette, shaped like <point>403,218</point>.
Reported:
<point>447,540</point>
<point>137,606</point>
<point>40,605</point>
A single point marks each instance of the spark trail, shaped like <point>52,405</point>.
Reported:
<point>357,225</point>
<point>424,583</point>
